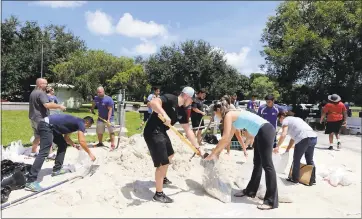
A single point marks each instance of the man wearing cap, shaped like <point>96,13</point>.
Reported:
<point>270,111</point>
<point>336,117</point>
<point>173,109</point>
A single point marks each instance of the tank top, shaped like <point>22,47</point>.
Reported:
<point>249,121</point>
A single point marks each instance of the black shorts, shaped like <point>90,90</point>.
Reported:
<point>146,115</point>
<point>333,127</point>
<point>159,145</point>
<point>196,122</point>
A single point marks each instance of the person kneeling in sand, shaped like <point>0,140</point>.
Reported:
<point>264,132</point>
<point>304,138</point>
<point>52,130</point>
<point>173,109</point>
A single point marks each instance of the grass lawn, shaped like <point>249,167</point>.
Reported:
<point>15,125</point>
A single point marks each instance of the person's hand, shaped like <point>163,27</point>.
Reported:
<point>63,108</point>
<point>246,154</point>
<point>167,121</point>
<point>76,146</point>
<point>92,157</point>
<point>92,111</point>
<point>320,121</point>
<point>276,150</point>
<point>203,113</point>
<point>344,123</point>
<point>286,151</point>
<point>212,156</point>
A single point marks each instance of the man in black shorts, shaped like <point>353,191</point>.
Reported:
<point>197,114</point>
<point>173,109</point>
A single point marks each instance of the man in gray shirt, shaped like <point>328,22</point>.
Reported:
<point>39,106</point>
<point>304,138</point>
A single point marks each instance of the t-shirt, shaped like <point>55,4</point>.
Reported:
<point>37,110</point>
<point>298,129</point>
<point>52,98</point>
<point>175,112</point>
<point>334,111</point>
<point>252,105</point>
<point>249,121</point>
<point>65,124</point>
<point>102,105</point>
<point>270,113</point>
<point>199,104</point>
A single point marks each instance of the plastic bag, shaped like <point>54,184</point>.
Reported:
<point>346,180</point>
<point>336,177</point>
<point>14,175</point>
<point>5,193</point>
<point>280,162</point>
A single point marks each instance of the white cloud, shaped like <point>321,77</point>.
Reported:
<point>242,62</point>
<point>99,22</point>
<point>145,48</point>
<point>130,27</point>
<point>61,4</point>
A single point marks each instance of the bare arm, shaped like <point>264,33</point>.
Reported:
<point>190,135</point>
<point>240,139</point>
<point>92,107</point>
<point>226,137</point>
<point>322,117</point>
<point>156,105</point>
<point>291,143</point>
<point>68,140</point>
<point>83,144</point>
<point>110,109</point>
<point>197,111</point>
<point>282,137</point>
<point>52,105</point>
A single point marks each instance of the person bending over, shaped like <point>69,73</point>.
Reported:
<point>264,134</point>
<point>52,130</point>
<point>173,109</point>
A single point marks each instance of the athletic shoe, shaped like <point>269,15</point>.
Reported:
<point>60,172</point>
<point>249,148</point>
<point>338,145</point>
<point>33,187</point>
<point>330,148</point>
<point>100,144</point>
<point>32,154</point>
<point>162,198</point>
<point>166,181</point>
<point>292,181</point>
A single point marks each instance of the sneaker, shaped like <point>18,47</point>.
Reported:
<point>162,198</point>
<point>33,187</point>
<point>166,181</point>
<point>100,144</point>
<point>292,181</point>
<point>330,148</point>
<point>338,145</point>
<point>33,154</point>
<point>52,156</point>
<point>249,148</point>
<point>60,172</point>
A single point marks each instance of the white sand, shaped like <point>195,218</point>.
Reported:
<point>123,186</point>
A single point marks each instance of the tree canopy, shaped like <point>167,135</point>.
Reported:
<point>317,44</point>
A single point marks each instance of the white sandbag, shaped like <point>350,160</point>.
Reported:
<point>83,160</point>
<point>280,162</point>
<point>346,180</point>
<point>215,182</point>
<point>323,171</point>
<point>336,177</point>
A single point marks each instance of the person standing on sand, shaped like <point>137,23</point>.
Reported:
<point>51,129</point>
<point>197,114</point>
<point>304,138</point>
<point>264,134</point>
<point>105,107</point>
<point>39,106</point>
<point>173,109</point>
<point>336,118</point>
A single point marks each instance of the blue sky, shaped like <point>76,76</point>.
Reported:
<point>140,28</point>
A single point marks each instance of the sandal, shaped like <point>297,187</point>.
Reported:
<point>265,207</point>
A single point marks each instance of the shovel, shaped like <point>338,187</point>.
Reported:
<point>90,171</point>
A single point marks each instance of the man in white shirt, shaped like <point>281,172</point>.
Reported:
<point>304,138</point>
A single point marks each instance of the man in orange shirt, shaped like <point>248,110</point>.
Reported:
<point>336,118</point>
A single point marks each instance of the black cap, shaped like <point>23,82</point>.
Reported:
<point>269,97</point>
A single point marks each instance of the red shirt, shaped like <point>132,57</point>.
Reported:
<point>334,111</point>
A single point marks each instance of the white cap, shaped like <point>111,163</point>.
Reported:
<point>189,91</point>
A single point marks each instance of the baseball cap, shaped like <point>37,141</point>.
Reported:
<point>189,91</point>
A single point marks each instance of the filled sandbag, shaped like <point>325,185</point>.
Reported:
<point>215,181</point>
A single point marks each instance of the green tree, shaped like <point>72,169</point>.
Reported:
<point>90,69</point>
<point>196,64</point>
<point>21,54</point>
<point>263,86</point>
<point>317,44</point>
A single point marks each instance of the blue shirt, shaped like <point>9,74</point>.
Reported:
<point>252,105</point>
<point>270,113</point>
<point>52,99</point>
<point>66,124</point>
<point>149,98</point>
<point>249,121</point>
<point>102,105</point>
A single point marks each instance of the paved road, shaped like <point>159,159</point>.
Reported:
<point>349,142</point>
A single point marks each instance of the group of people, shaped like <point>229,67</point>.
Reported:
<point>56,128</point>
<point>260,127</point>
